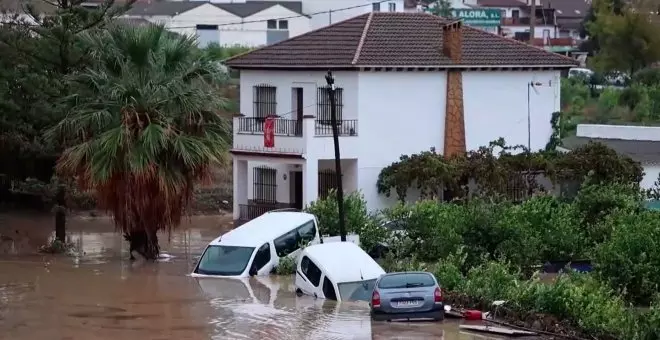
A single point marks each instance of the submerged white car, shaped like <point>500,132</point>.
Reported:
<point>256,247</point>
<point>336,271</point>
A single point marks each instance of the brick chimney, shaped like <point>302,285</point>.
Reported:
<point>452,46</point>
<point>452,41</point>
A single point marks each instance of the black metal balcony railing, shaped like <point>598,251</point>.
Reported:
<point>283,127</point>
<point>344,127</point>
<point>251,211</point>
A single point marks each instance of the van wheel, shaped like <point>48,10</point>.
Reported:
<point>299,292</point>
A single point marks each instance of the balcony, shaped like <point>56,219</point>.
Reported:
<point>540,21</point>
<point>548,42</point>
<point>291,136</point>
<point>283,127</point>
<point>344,128</point>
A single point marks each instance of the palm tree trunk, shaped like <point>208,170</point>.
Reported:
<point>144,243</point>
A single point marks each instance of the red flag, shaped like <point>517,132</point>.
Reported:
<point>269,132</point>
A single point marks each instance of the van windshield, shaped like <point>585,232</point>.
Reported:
<point>356,291</point>
<point>224,260</point>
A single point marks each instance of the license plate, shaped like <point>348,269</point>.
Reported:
<point>408,303</point>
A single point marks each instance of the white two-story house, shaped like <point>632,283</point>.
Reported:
<point>406,83</point>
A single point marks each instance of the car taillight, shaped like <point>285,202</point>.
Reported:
<point>437,295</point>
<point>375,299</point>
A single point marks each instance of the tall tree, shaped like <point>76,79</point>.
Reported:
<point>39,48</point>
<point>439,7</point>
<point>144,127</point>
<point>627,35</point>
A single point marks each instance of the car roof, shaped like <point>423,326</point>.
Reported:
<point>410,272</point>
<point>344,261</point>
<point>263,229</point>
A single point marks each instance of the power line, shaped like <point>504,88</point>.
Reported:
<point>288,17</point>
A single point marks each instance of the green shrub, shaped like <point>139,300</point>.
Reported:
<point>448,271</point>
<point>649,76</point>
<point>491,281</point>
<point>580,299</point>
<point>538,230</point>
<point>327,213</point>
<point>630,259</point>
<point>286,266</point>
<point>433,230</point>
<point>596,202</point>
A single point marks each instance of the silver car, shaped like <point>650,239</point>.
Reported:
<point>407,295</point>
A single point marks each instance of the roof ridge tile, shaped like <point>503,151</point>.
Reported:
<point>365,31</point>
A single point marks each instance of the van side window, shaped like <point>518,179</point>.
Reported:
<point>286,244</point>
<point>262,257</point>
<point>307,232</point>
<point>311,271</point>
<point>291,241</point>
<point>329,290</point>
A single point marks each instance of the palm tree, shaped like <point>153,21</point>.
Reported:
<point>143,127</point>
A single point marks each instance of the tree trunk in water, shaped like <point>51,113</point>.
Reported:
<point>144,243</point>
<point>60,214</point>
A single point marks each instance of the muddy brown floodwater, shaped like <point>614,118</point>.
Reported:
<point>99,294</point>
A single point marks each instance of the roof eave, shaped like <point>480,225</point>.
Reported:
<point>355,67</point>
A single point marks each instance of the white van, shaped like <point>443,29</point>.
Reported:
<point>256,247</point>
<point>336,271</point>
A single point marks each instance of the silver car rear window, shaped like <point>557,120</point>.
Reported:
<point>406,280</point>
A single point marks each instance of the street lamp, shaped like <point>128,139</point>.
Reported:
<point>531,85</point>
<point>330,79</point>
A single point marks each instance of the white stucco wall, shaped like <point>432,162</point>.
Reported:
<point>495,106</point>
<point>626,132</point>
<point>540,31</point>
<point>651,172</point>
<point>341,10</point>
<point>402,113</point>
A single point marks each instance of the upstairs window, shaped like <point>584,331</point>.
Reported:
<point>265,101</point>
<point>323,110</point>
<point>391,6</point>
<point>375,6</point>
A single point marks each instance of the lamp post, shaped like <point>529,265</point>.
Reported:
<point>530,86</point>
<point>330,79</point>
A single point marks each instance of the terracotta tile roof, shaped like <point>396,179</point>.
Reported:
<point>394,39</point>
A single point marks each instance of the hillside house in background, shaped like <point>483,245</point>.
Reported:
<point>247,23</point>
<point>254,23</point>
<point>406,83</point>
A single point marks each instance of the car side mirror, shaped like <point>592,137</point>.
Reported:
<point>253,271</point>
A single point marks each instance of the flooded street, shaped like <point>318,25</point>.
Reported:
<point>99,294</point>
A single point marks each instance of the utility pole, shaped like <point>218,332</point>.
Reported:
<point>532,22</point>
<point>330,79</point>
<point>330,17</point>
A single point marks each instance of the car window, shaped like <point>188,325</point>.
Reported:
<point>329,289</point>
<point>356,291</point>
<point>286,244</point>
<point>394,225</point>
<point>262,257</point>
<point>405,280</point>
<point>291,241</point>
<point>307,232</point>
<point>311,271</point>
<point>224,260</point>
